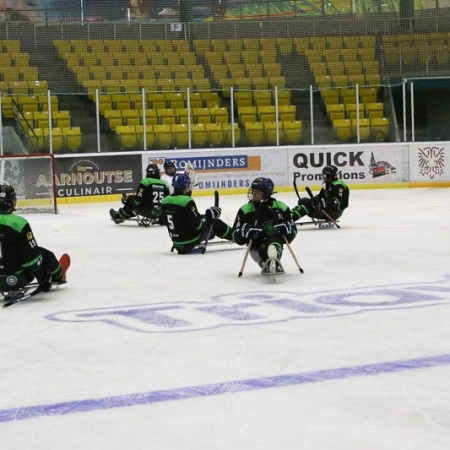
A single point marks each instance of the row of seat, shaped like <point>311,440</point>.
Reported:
<point>165,116</point>
<point>289,46</point>
<point>158,100</point>
<point>335,67</point>
<point>342,81</point>
<point>421,55</point>
<point>245,70</point>
<point>272,133</point>
<point>350,95</point>
<point>23,73</point>
<point>40,119</point>
<point>266,113</point>
<point>32,87</point>
<point>9,46</point>
<point>370,130</point>
<point>69,138</point>
<point>177,135</point>
<point>129,59</point>
<point>202,46</point>
<point>34,102</point>
<point>126,46</point>
<point>350,110</point>
<point>261,98</point>
<point>250,83</point>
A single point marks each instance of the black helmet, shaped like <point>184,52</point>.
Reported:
<point>329,173</point>
<point>265,185</point>
<point>169,167</point>
<point>7,198</point>
<point>153,171</point>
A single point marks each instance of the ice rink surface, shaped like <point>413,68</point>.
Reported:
<point>147,349</point>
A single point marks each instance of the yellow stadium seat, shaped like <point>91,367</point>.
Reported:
<point>343,130</point>
<point>254,132</point>
<point>380,128</point>
<point>166,116</point>
<point>374,110</point>
<point>164,136</point>
<point>351,110</point>
<point>292,132</point>
<point>199,135</point>
<point>286,113</point>
<point>262,98</point>
<point>243,98</point>
<point>72,138</point>
<point>131,117</point>
<point>202,115</point>
<point>37,139</point>
<point>272,131</point>
<point>61,119</point>
<point>267,113</point>
<point>181,135</point>
<point>113,118</point>
<point>231,130</point>
<point>57,138</point>
<point>247,114</point>
<point>219,114</point>
<point>150,138</point>
<point>215,133</point>
<point>128,138</point>
<point>364,129</point>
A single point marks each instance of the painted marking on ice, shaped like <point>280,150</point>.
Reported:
<point>208,390</point>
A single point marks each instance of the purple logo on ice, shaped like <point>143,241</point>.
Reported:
<point>257,308</point>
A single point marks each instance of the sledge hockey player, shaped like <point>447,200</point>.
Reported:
<point>22,260</point>
<point>146,201</point>
<point>170,170</point>
<point>333,198</point>
<point>266,223</point>
<point>186,226</point>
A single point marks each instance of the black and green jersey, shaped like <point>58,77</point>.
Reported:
<point>270,212</point>
<point>337,191</point>
<point>18,248</point>
<point>150,193</point>
<point>184,222</point>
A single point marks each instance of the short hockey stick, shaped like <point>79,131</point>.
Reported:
<point>308,190</point>
<point>293,254</point>
<point>216,204</point>
<point>22,298</point>
<point>287,243</point>
<point>298,195</point>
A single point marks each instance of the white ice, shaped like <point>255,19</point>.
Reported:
<point>147,349</point>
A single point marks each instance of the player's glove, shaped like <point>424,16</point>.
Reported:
<point>316,205</point>
<point>283,228</point>
<point>250,232</point>
<point>213,213</point>
<point>46,282</point>
<point>334,203</point>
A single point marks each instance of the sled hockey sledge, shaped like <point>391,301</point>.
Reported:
<point>142,221</point>
<point>317,223</point>
<point>18,288</point>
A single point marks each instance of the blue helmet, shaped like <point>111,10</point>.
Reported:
<point>181,182</point>
<point>265,185</point>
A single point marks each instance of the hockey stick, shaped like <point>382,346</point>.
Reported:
<point>293,254</point>
<point>250,242</point>
<point>298,195</point>
<point>287,243</point>
<point>308,190</point>
<point>13,300</point>
<point>216,204</point>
